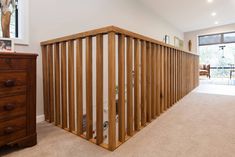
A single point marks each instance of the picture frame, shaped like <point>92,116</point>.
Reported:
<point>7,45</point>
<point>178,43</point>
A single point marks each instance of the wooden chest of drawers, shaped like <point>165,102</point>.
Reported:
<point>18,99</point>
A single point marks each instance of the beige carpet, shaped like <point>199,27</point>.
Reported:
<point>200,125</point>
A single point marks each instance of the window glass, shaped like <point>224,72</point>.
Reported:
<point>210,39</point>
<point>229,37</point>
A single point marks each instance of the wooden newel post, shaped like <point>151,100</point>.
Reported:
<point>111,91</point>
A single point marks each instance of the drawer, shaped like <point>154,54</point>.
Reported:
<point>13,64</point>
<point>12,82</point>
<point>12,130</point>
<point>12,106</point>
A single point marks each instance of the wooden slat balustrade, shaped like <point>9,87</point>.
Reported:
<point>144,78</point>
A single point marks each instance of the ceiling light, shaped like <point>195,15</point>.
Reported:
<point>216,22</point>
<point>213,14</point>
<point>209,1</point>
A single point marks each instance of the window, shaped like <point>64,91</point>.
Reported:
<point>210,39</point>
<point>229,37</point>
<point>221,38</point>
<point>14,29</point>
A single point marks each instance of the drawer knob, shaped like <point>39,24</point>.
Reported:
<point>8,60</point>
<point>9,83</point>
<point>8,130</point>
<point>9,107</point>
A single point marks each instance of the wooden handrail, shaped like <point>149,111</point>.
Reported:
<point>152,76</point>
<point>106,30</point>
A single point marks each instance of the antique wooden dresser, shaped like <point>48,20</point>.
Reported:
<point>18,99</point>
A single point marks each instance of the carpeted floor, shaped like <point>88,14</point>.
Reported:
<point>200,125</point>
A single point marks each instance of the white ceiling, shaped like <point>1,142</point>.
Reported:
<point>189,15</point>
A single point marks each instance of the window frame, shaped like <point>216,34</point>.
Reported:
<point>228,33</point>
<point>210,35</point>
<point>221,40</point>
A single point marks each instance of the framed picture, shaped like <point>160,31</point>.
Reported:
<point>6,45</point>
<point>179,43</point>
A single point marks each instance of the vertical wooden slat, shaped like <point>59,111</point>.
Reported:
<point>111,91</point>
<point>183,74</point>
<point>51,84</point>
<point>158,80</point>
<point>197,68</point>
<point>185,71</point>
<point>165,78</point>
<point>121,88</point>
<point>181,79</point>
<point>129,86</point>
<point>178,70</point>
<point>148,79</point>
<point>64,84</point>
<point>169,78</point>
<point>143,83</point>
<point>172,77</point>
<point>162,79</point>
<point>137,85</point>
<point>153,85</point>
<point>57,83</point>
<point>89,112</point>
<point>188,72</point>
<point>79,87</point>
<point>99,89</point>
<point>180,66</point>
<point>45,82</point>
<point>71,85</point>
<point>176,75</point>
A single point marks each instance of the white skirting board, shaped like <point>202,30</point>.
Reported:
<point>40,118</point>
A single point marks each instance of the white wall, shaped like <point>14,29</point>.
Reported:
<point>56,18</point>
<point>194,35</point>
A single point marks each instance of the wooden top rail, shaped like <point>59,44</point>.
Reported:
<point>106,30</point>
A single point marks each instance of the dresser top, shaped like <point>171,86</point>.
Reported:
<point>18,55</point>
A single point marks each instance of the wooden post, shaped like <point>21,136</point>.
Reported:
<point>71,85</point>
<point>64,84</point>
<point>111,92</point>
<point>148,79</point>
<point>79,87</point>
<point>45,82</point>
<point>153,79</point>
<point>143,83</point>
<point>57,83</point>
<point>51,80</point>
<point>137,84</point>
<point>99,89</point>
<point>89,111</point>
<point>129,59</point>
<point>121,88</point>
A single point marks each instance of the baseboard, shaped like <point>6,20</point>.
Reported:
<point>40,118</point>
